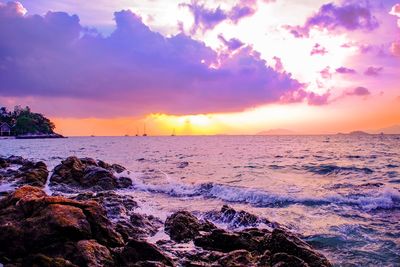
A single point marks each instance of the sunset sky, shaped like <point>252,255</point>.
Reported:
<point>203,67</point>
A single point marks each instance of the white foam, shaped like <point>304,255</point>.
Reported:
<point>386,198</point>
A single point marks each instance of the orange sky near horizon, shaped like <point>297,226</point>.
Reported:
<point>344,116</point>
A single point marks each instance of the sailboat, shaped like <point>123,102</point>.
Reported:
<point>173,132</point>
<point>137,131</point>
<point>144,130</point>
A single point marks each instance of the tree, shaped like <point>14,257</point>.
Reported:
<point>26,122</point>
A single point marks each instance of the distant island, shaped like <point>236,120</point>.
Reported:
<point>277,132</point>
<point>354,133</point>
<point>22,123</point>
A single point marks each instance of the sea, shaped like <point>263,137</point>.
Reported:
<point>341,193</point>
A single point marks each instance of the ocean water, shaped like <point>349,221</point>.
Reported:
<point>341,193</point>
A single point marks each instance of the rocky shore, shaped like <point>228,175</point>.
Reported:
<point>86,222</point>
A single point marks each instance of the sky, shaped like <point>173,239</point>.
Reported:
<point>203,67</point>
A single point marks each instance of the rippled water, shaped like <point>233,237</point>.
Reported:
<point>340,192</point>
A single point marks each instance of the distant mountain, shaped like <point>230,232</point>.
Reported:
<point>395,129</point>
<point>354,133</point>
<point>277,132</point>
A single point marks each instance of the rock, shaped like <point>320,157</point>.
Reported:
<point>30,173</point>
<point>225,241</point>
<point>124,182</point>
<point>182,164</point>
<point>282,241</point>
<point>33,223</point>
<point>92,254</point>
<point>4,163</point>
<point>139,251</point>
<point>236,219</point>
<point>237,258</point>
<point>34,174</point>
<point>99,177</point>
<point>285,260</point>
<point>182,226</point>
<point>86,173</point>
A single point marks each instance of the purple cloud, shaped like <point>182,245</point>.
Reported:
<point>207,18</point>
<point>318,50</point>
<point>311,98</point>
<point>373,71</point>
<point>348,16</point>
<point>344,70</point>
<point>232,44</point>
<point>134,70</point>
<point>358,91</point>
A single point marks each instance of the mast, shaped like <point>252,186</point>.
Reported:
<point>144,130</point>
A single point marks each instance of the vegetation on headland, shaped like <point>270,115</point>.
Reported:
<point>25,122</point>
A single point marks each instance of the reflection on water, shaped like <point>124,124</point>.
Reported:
<point>341,193</point>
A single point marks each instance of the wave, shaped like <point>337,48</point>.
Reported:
<point>334,169</point>
<point>387,198</point>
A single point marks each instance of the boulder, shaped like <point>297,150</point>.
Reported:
<point>182,226</point>
<point>59,229</point>
<point>141,251</point>
<point>282,241</point>
<point>86,173</point>
<point>30,173</point>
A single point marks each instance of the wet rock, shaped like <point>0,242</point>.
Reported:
<point>282,241</point>
<point>34,174</point>
<point>182,164</point>
<point>141,251</point>
<point>286,260</point>
<point>33,223</point>
<point>30,173</point>
<point>225,241</point>
<point>235,219</point>
<point>92,254</point>
<point>182,226</point>
<point>86,173</point>
<point>124,182</point>
<point>237,258</point>
<point>4,163</point>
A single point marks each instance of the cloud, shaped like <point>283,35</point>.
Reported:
<point>302,95</point>
<point>12,9</point>
<point>318,50</point>
<point>348,16</point>
<point>326,73</point>
<point>134,70</point>
<point>358,91</point>
<point>207,18</point>
<point>395,11</point>
<point>344,70</point>
<point>373,71</point>
<point>395,48</point>
<point>232,44</point>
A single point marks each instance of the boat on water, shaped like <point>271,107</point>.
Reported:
<point>144,130</point>
<point>173,132</point>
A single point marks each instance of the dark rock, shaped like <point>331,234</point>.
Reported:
<point>182,164</point>
<point>30,173</point>
<point>182,226</point>
<point>221,240</point>
<point>124,182</point>
<point>4,163</point>
<point>237,258</point>
<point>86,173</point>
<point>34,174</point>
<point>282,241</point>
<point>141,251</point>
<point>236,219</point>
<point>285,260</point>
